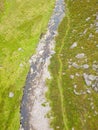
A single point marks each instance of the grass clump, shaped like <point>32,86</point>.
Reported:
<point>72,111</point>
<point>21,24</point>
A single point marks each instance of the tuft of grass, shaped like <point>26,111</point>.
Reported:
<point>71,111</point>
<point>21,24</point>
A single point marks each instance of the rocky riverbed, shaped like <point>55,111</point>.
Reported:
<point>33,113</point>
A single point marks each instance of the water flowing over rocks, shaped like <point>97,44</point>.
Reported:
<point>33,113</point>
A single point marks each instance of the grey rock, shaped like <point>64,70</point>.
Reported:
<point>11,94</point>
<point>91,35</point>
<point>80,56</point>
<point>87,81</point>
<point>91,77</point>
<point>21,65</point>
<point>88,91</point>
<point>75,65</point>
<point>77,74</point>
<point>32,71</point>
<point>72,76</point>
<point>85,66</point>
<point>95,67</point>
<point>87,19</point>
<point>73,45</point>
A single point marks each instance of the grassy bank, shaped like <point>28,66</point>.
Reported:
<point>74,104</point>
<point>21,24</point>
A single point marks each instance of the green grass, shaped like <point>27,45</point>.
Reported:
<point>21,24</point>
<point>70,111</point>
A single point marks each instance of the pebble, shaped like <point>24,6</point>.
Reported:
<point>20,49</point>
<point>80,56</point>
<point>87,19</point>
<point>77,74</point>
<point>21,65</point>
<point>31,71</point>
<point>87,81</point>
<point>41,52</point>
<point>11,94</point>
<point>91,77</point>
<point>75,65</point>
<point>72,76</point>
<point>91,35</point>
<point>85,66</point>
<point>88,91</point>
<point>73,45</point>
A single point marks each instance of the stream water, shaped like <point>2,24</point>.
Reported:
<point>33,113</point>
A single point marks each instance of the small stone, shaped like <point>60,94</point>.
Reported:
<point>41,52</point>
<point>82,47</point>
<point>77,74</point>
<point>31,71</point>
<point>92,77</point>
<point>30,61</point>
<point>76,93</point>
<point>96,113</point>
<point>85,31</point>
<point>87,81</point>
<point>69,66</point>
<point>11,94</point>
<point>73,45</point>
<point>63,73</point>
<point>87,19</point>
<point>21,65</point>
<point>88,91</point>
<point>75,86</point>
<point>92,107</point>
<point>57,127</point>
<point>96,24</point>
<point>96,31</point>
<point>85,66</point>
<point>72,76</point>
<point>80,56</point>
<point>75,65</point>
<point>91,35</point>
<point>20,49</point>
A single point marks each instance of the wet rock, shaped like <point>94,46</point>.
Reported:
<point>11,94</point>
<point>73,45</point>
<point>80,56</point>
